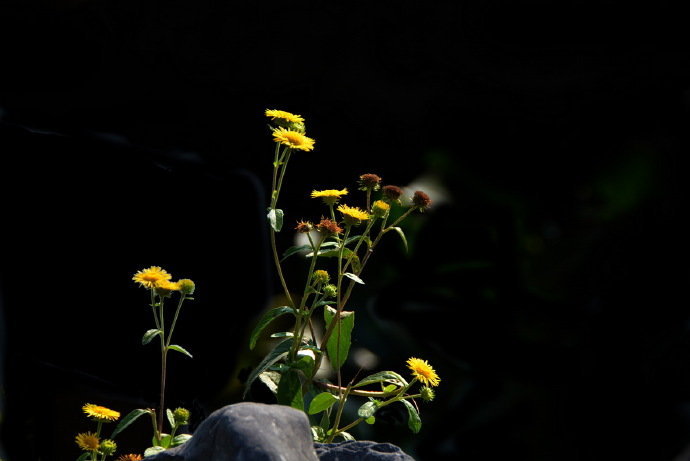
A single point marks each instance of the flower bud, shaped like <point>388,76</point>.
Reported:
<point>380,209</point>
<point>321,276</point>
<point>391,194</point>
<point>108,447</point>
<point>370,182</point>
<point>427,393</point>
<point>421,200</point>
<point>181,416</point>
<point>186,286</point>
<point>330,290</point>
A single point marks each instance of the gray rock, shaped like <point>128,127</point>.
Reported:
<point>360,450</point>
<point>248,432</point>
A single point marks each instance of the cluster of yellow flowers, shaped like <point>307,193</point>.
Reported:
<point>157,279</point>
<point>92,442</point>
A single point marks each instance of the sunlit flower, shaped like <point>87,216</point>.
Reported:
<point>321,276</point>
<point>130,457</point>
<point>283,115</point>
<point>423,372</point>
<point>380,208</point>
<point>100,413</point>
<point>165,287</point>
<point>87,441</point>
<point>293,139</point>
<point>108,447</point>
<point>147,278</point>
<point>353,216</point>
<point>329,196</point>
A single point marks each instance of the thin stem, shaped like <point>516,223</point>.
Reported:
<point>174,322</point>
<point>164,360</point>
<point>275,193</point>
<point>339,414</point>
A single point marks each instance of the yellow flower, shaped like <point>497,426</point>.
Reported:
<point>293,139</point>
<point>165,287</point>
<point>147,278</point>
<point>281,114</point>
<point>87,441</point>
<point>380,208</point>
<point>423,372</point>
<point>100,413</point>
<point>329,196</point>
<point>353,215</point>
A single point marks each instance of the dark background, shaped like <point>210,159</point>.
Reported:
<point>548,291</point>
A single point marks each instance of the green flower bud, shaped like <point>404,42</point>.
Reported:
<point>181,416</point>
<point>186,286</point>
<point>330,290</point>
<point>108,447</point>
<point>427,393</point>
<point>321,276</point>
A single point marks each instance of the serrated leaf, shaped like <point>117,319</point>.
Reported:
<point>367,410</point>
<point>171,417</point>
<point>150,451</point>
<point>322,402</point>
<point>127,420</point>
<point>352,276</point>
<point>402,236</point>
<point>290,390</point>
<point>382,376</point>
<point>275,218</point>
<point>267,318</point>
<point>414,422</point>
<point>370,420</point>
<point>181,349</point>
<point>338,345</point>
<point>180,439</point>
<point>276,354</point>
<point>149,335</point>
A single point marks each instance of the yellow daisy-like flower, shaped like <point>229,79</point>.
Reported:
<point>100,413</point>
<point>148,278</point>
<point>293,139</point>
<point>352,215</point>
<point>329,196</point>
<point>165,287</point>
<point>423,372</point>
<point>281,114</point>
<point>87,441</point>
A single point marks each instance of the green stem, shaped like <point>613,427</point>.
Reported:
<point>156,434</point>
<point>275,193</point>
<point>299,330</point>
<point>339,414</point>
<point>174,322</point>
<point>164,360</point>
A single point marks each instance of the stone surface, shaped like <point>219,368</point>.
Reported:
<point>248,432</point>
<point>360,450</point>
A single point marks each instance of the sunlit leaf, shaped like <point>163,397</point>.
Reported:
<point>367,410</point>
<point>283,334</point>
<point>180,439</point>
<point>402,236</point>
<point>382,376</point>
<point>338,345</point>
<point>150,451</point>
<point>322,402</point>
<point>150,334</point>
<point>370,420</point>
<point>414,422</point>
<point>271,380</point>
<point>181,349</point>
<point>353,277</point>
<point>275,218</point>
<point>171,417</point>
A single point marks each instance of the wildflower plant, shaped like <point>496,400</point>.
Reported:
<point>343,241</point>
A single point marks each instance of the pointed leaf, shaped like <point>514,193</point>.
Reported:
<point>402,236</point>
<point>290,390</point>
<point>352,276</point>
<point>345,435</point>
<point>414,422</point>
<point>171,417</point>
<point>181,349</point>
<point>84,456</point>
<point>275,218</point>
<point>149,335</point>
<point>150,451</point>
<point>127,420</point>
<point>283,334</point>
<point>322,402</point>
<point>338,345</point>
<point>166,440</point>
<point>382,376</point>
<point>367,410</point>
<point>267,318</point>
<point>180,439</point>
<point>294,250</point>
<point>276,354</point>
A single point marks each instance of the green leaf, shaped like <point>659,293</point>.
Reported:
<point>171,417</point>
<point>322,402</point>
<point>149,335</point>
<point>276,354</point>
<point>290,390</point>
<point>180,439</point>
<point>414,422</point>
<point>181,349</point>
<point>275,218</point>
<point>347,253</point>
<point>382,376</point>
<point>267,318</point>
<point>402,236</point>
<point>367,410</point>
<point>370,420</point>
<point>345,436</point>
<point>350,240</point>
<point>84,456</point>
<point>389,388</point>
<point>305,363</point>
<point>166,440</point>
<point>127,420</point>
<point>324,303</point>
<point>318,434</point>
<point>150,451</point>
<point>271,380</point>
<point>338,345</point>
<point>283,334</point>
<point>352,276</point>
<point>300,248</point>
